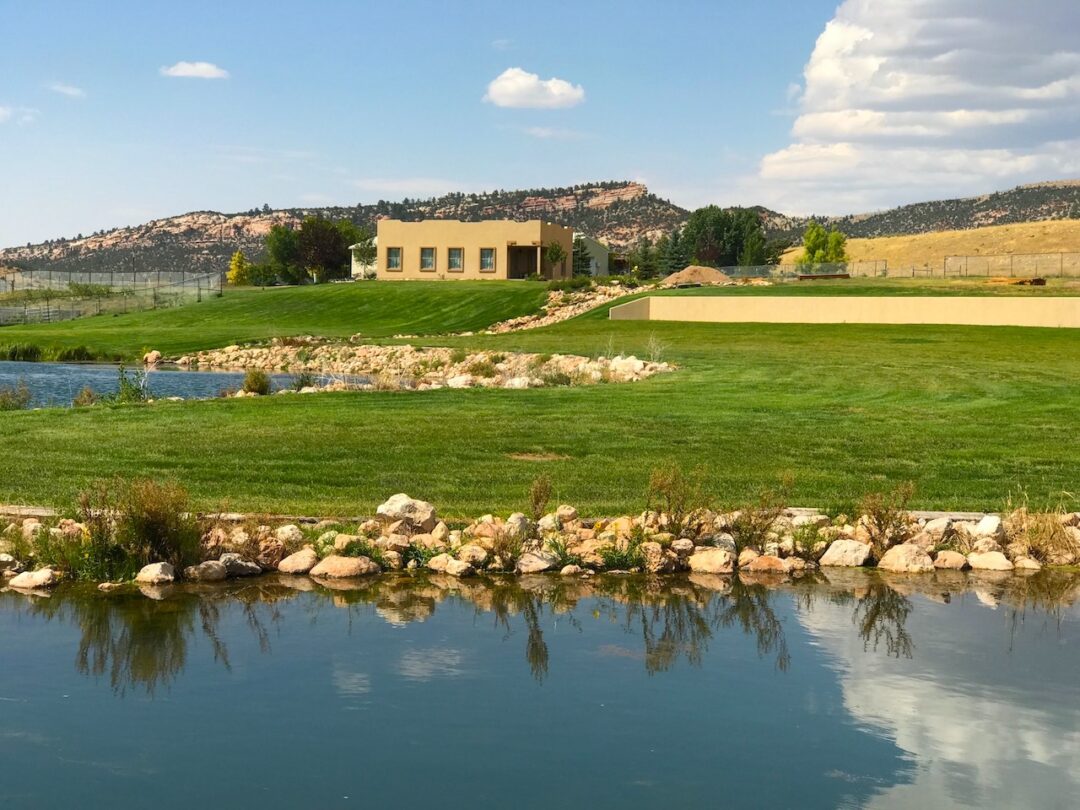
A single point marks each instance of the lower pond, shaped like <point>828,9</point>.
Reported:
<point>838,690</point>
<point>58,383</point>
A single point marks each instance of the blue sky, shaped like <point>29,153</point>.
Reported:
<point>346,102</point>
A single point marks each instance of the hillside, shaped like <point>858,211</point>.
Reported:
<point>615,212</point>
<point>928,250</point>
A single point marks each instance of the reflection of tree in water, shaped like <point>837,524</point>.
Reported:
<point>749,606</point>
<point>144,643</point>
<point>879,612</point>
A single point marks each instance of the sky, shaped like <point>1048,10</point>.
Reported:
<point>114,113</point>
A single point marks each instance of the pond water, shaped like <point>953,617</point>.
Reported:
<point>851,690</point>
<point>58,383</point>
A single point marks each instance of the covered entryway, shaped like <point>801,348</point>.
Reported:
<point>522,260</point>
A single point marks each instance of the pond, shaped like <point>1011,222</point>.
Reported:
<point>846,690</point>
<point>58,383</point>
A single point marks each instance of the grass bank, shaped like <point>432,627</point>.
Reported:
<point>968,413</point>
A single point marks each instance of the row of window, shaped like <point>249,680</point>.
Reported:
<point>455,259</point>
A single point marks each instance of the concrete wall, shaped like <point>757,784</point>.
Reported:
<point>471,237</point>
<point>966,310</point>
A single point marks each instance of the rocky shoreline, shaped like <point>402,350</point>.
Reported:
<point>407,535</point>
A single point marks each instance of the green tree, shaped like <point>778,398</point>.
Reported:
<point>283,254</point>
<point>582,261</point>
<point>323,248</point>
<point>365,251</point>
<point>753,251</point>
<point>554,255</point>
<point>822,247</point>
<point>717,236</point>
<point>645,259</point>
<point>239,270</point>
<point>674,257</point>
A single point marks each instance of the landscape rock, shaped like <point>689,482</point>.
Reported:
<point>209,571</point>
<point>1026,564</point>
<point>847,553</point>
<point>472,554</point>
<point>571,570</point>
<point>518,526</point>
<point>938,528</point>
<point>337,567</point>
<point>237,566</point>
<point>708,560</point>
<point>393,560</point>
<point>906,559</point>
<point>289,534</point>
<point>566,514</point>
<point>418,514</point>
<point>439,562</point>
<point>766,564</point>
<point>747,556</point>
<point>32,580</point>
<point>459,568</point>
<point>299,563</point>
<point>152,358</point>
<point>8,563</point>
<point>156,574</point>
<point>985,545</point>
<point>990,526</point>
<point>657,559</point>
<point>271,553</point>
<point>535,562</point>
<point>989,561</point>
<point>950,560</point>
<point>684,547</point>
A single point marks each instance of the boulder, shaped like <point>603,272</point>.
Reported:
<point>209,571</point>
<point>400,542</point>
<point>343,541</point>
<point>684,548</point>
<point>766,564</point>
<point>152,358</point>
<point>950,561</point>
<point>156,574</point>
<point>938,528</point>
<point>271,553</point>
<point>32,580</point>
<point>8,563</point>
<point>990,526</point>
<point>847,553</point>
<point>571,570</point>
<point>472,554</point>
<point>794,564</point>
<point>237,566</point>
<point>30,529</point>
<point>299,563</point>
<point>518,526</point>
<point>985,545</point>
<point>393,560</point>
<point>336,567</point>
<point>566,513</point>
<point>989,561</point>
<point>441,532</point>
<point>418,514</point>
<point>657,559</point>
<point>747,556</point>
<point>906,559</point>
<point>459,568</point>
<point>439,562</point>
<point>535,562</point>
<point>708,560</point>
<point>289,534</point>
<point>1026,564</point>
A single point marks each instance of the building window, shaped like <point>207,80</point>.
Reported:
<point>393,258</point>
<point>455,259</point>
<point>487,260</point>
<point>427,258</point>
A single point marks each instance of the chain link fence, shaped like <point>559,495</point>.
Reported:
<point>1022,265</point>
<point>790,272</point>
<point>41,296</point>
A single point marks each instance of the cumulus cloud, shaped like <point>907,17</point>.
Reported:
<point>195,70</point>
<point>515,87</point>
<point>69,90</point>
<point>907,101</point>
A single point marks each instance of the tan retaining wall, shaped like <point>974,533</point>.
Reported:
<point>969,311</point>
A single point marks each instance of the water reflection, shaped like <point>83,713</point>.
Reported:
<point>143,643</point>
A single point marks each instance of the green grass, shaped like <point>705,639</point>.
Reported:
<point>968,413</point>
<point>330,310</point>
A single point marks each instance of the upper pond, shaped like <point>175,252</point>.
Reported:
<point>58,383</point>
<point>846,690</point>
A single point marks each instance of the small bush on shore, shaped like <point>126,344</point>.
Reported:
<point>305,379</point>
<point>675,493</point>
<point>622,556</point>
<point>539,496</point>
<point>571,284</point>
<point>364,548</point>
<point>482,368</point>
<point>85,398</point>
<point>1040,535</point>
<point>806,540</point>
<point>458,356</point>
<point>130,387</point>
<point>887,515</point>
<point>754,522</point>
<point>15,397</point>
<point>257,381</point>
<point>560,547</point>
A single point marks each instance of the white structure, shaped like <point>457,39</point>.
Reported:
<point>598,254</point>
<point>359,269</point>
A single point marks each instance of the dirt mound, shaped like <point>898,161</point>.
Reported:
<point>696,274</point>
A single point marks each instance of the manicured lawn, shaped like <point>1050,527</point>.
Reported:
<point>970,414</point>
<point>330,310</point>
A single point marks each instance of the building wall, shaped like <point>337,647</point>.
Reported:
<point>598,255</point>
<point>965,310</point>
<point>471,237</point>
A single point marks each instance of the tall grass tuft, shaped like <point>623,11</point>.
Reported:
<point>15,397</point>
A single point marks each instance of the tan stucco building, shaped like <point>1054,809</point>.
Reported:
<point>451,249</point>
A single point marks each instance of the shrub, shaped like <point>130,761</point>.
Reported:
<point>560,547</point>
<point>556,378</point>
<point>74,354</point>
<point>806,539</point>
<point>754,522</point>
<point>1040,535</point>
<point>15,397</point>
<point>130,388</point>
<point>571,284</point>
<point>256,381</point>
<point>364,548</point>
<point>539,496</point>
<point>305,379</point>
<point>508,546</point>
<point>86,397</point>
<point>26,352</point>
<point>422,555</point>
<point>676,494</point>
<point>626,555</point>
<point>887,515</point>
<point>458,356</point>
<point>482,368</point>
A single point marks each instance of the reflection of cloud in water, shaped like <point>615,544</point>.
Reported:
<point>351,684</point>
<point>973,743</point>
<point>435,662</point>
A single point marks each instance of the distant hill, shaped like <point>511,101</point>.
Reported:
<point>616,212</point>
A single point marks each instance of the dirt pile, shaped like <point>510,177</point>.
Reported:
<point>696,274</point>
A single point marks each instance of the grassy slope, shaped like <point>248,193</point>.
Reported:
<point>970,414</point>
<point>929,249</point>
<point>332,310</point>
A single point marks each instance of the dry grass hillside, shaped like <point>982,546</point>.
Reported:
<point>928,250</point>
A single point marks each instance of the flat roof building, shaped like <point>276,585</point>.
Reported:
<point>490,249</point>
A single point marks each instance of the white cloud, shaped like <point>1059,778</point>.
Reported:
<point>515,87</point>
<point>195,70</point>
<point>922,100</point>
<point>502,44</point>
<point>20,115</point>
<point>69,90</point>
<point>552,133</point>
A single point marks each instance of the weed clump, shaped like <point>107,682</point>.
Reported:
<point>887,515</point>
<point>753,523</point>
<point>256,381</point>
<point>676,494</point>
<point>15,397</point>
<point>85,398</point>
<point>539,496</point>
